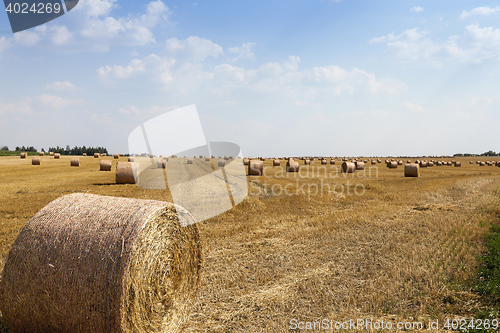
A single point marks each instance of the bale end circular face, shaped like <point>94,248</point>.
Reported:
<point>88,263</point>
<point>348,167</point>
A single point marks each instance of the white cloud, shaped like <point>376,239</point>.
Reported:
<point>64,85</point>
<point>194,48</point>
<point>153,110</point>
<point>414,107</point>
<point>308,104</point>
<point>416,9</point>
<point>475,45</point>
<point>484,11</point>
<point>243,52</point>
<point>5,43</point>
<point>153,64</point>
<point>57,102</point>
<point>15,108</point>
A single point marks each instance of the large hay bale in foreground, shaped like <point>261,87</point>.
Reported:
<point>348,167</point>
<point>75,162</point>
<point>412,170</point>
<point>35,160</point>
<point>126,173</point>
<point>105,165</point>
<point>88,263</point>
<point>255,168</point>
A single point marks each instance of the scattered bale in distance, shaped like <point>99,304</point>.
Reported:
<point>151,156</point>
<point>348,167</point>
<point>84,154</point>
<point>104,154</point>
<point>423,164</point>
<point>126,173</point>
<point>222,163</point>
<point>470,162</point>
<point>230,157</point>
<point>226,158</point>
<point>145,265</point>
<point>262,159</point>
<point>307,162</point>
<point>408,161</point>
<point>458,164</point>
<point>392,165</point>
<point>359,165</point>
<point>276,162</point>
<point>57,156</point>
<point>105,165</point>
<point>161,164</point>
<point>450,164</point>
<point>116,156</point>
<point>246,161</point>
<point>201,156</point>
<point>213,156</point>
<point>439,163</point>
<point>324,162</point>
<point>379,160</point>
<point>417,162</point>
<point>131,159</point>
<point>207,159</point>
<point>255,168</point>
<point>374,162</point>
<point>41,153</point>
<point>189,161</point>
<point>122,155</point>
<point>412,170</point>
<point>332,161</point>
<point>23,155</point>
<point>51,153</point>
<point>292,166</point>
<point>96,155</point>
<point>400,162</point>
<point>173,156</point>
<point>35,160</point>
<point>75,162</point>
<point>430,164</point>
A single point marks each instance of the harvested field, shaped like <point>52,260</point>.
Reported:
<point>403,249</point>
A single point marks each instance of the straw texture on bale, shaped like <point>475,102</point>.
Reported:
<point>96,155</point>
<point>126,173</point>
<point>88,263</point>
<point>75,162</point>
<point>276,162</point>
<point>412,170</point>
<point>116,156</point>
<point>360,165</point>
<point>392,165</point>
<point>189,161</point>
<point>105,165</point>
<point>57,156</point>
<point>222,163</point>
<point>35,160</point>
<point>23,155</point>
<point>458,164</point>
<point>423,164</point>
<point>430,164</point>
<point>348,167</point>
<point>292,166</point>
<point>307,162</point>
<point>255,168</point>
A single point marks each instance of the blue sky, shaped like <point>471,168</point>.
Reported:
<point>278,78</point>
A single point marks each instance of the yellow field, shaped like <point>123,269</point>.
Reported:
<point>403,249</point>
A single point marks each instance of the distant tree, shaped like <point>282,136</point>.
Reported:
<point>489,153</point>
<point>18,149</point>
<point>4,148</point>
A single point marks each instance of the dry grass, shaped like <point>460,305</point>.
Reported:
<point>402,250</point>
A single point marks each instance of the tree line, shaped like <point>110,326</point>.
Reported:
<point>65,151</point>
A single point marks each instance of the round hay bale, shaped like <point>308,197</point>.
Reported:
<point>324,162</point>
<point>231,158</point>
<point>122,155</point>
<point>89,263</point>
<point>262,159</point>
<point>226,158</point>
<point>412,170</point>
<point>151,156</point>
<point>51,153</point>
<point>292,166</point>
<point>392,165</point>
<point>379,160</point>
<point>104,154</point>
<point>36,160</point>
<point>41,153</point>
<point>307,162</point>
<point>116,156</point>
<point>201,156</point>
<point>408,161</point>
<point>430,164</point>
<point>458,164</point>
<point>450,164</point>
<point>105,165</point>
<point>332,161</point>
<point>126,173</point>
<point>359,165</point>
<point>222,163</point>
<point>276,162</point>
<point>173,156</point>
<point>212,156</point>
<point>470,162</point>
<point>57,156</point>
<point>131,159</point>
<point>423,164</point>
<point>246,161</point>
<point>400,162</point>
<point>348,167</point>
<point>374,162</point>
<point>439,163</point>
<point>84,154</point>
<point>207,159</point>
<point>189,161</point>
<point>96,155</point>
<point>75,162</point>
<point>255,168</point>
<point>161,164</point>
<point>23,155</point>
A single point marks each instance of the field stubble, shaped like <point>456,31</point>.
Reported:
<point>405,249</point>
